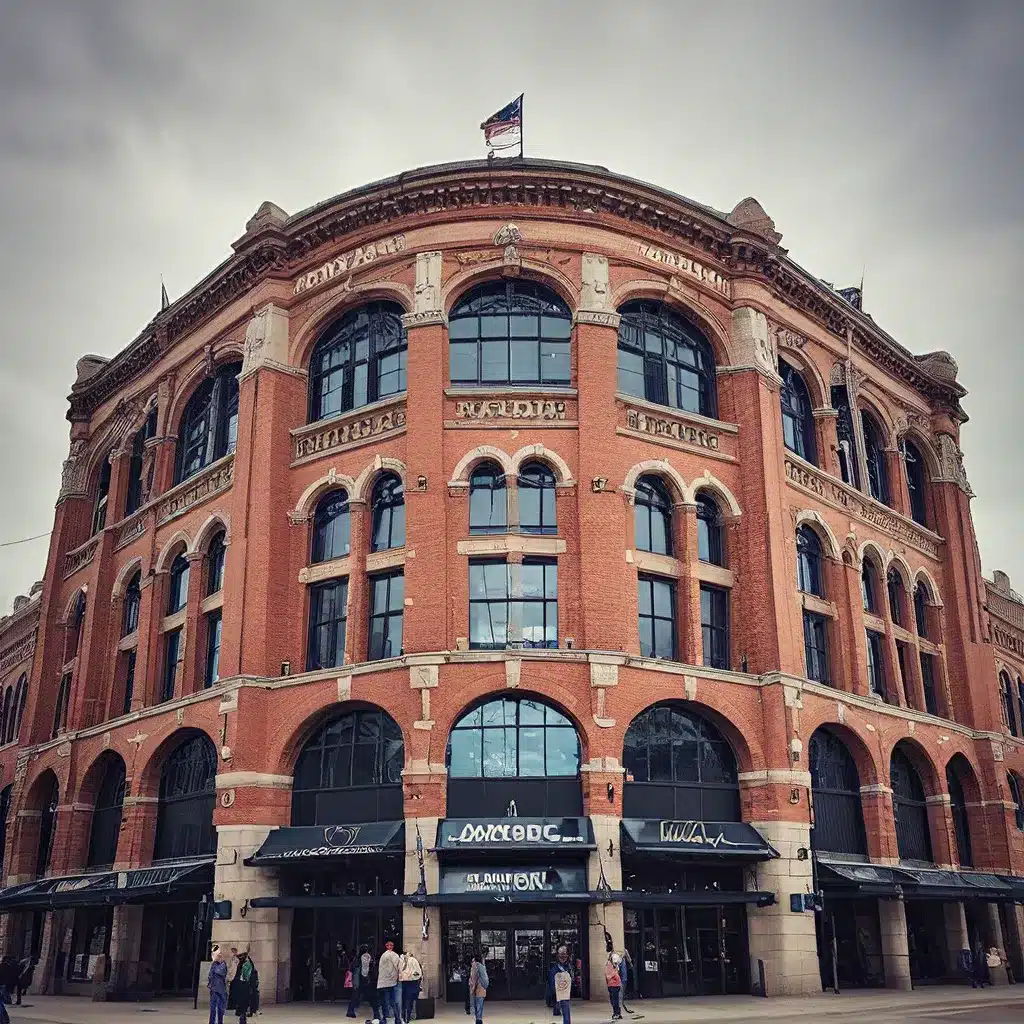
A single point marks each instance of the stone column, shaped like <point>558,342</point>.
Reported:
<point>784,940</point>
<point>125,946</point>
<point>42,978</point>
<point>604,916</point>
<point>956,934</point>
<point>428,950</point>
<point>356,638</point>
<point>827,439</point>
<point>898,493</point>
<point>892,918</point>
<point>994,937</point>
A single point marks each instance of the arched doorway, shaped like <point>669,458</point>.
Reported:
<point>514,846</point>
<point>176,927</point>
<point>848,930</point>
<point>684,849</point>
<point>342,863</point>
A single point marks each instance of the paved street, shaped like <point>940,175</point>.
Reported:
<point>952,1005</point>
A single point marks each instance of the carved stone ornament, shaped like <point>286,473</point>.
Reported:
<point>789,339</point>
<point>951,462</point>
<point>508,235</point>
<point>266,340</point>
<point>594,292</point>
<point>72,477</point>
<point>749,215</point>
<point>428,308</point>
<point>752,340</point>
<point>349,261</point>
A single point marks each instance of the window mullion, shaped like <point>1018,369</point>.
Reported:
<point>514,589</point>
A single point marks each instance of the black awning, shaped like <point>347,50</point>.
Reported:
<point>936,884</point>
<point>305,843</point>
<point>702,898</point>
<point>519,883</point>
<point>867,879</point>
<point>505,898</point>
<point>328,902</point>
<point>514,836</point>
<point>109,887</point>
<point>733,839</point>
<point>1016,887</point>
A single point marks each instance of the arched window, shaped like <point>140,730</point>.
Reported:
<point>216,555</point>
<point>7,712</point>
<point>75,622</point>
<point>359,359</point>
<point>913,840</point>
<point>177,589</point>
<point>5,811</point>
<point>1015,796</point>
<point>99,515</point>
<point>663,358</point>
<point>652,516</point>
<point>958,811</point>
<point>509,332</point>
<point>678,766</point>
<point>1006,697</point>
<point>797,414</point>
<point>537,499</point>
<point>915,481</point>
<point>331,527</point>
<point>710,531</point>
<point>23,687</point>
<point>874,454</point>
<point>132,603</point>
<point>514,749</point>
<point>47,823</point>
<point>869,586</point>
<point>138,487</point>
<point>897,595</point>
<point>920,606</point>
<point>1020,702</point>
<point>808,562</point>
<point>388,513</point>
<point>106,815</point>
<point>835,786</point>
<point>350,771</point>
<point>209,425</point>
<point>60,711</point>
<point>184,824</point>
<point>488,502</point>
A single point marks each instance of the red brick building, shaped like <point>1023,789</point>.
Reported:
<point>513,555</point>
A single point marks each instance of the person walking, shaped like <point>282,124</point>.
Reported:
<point>26,970</point>
<point>625,973</point>
<point>561,984</point>
<point>8,983</point>
<point>387,985</point>
<point>217,983</point>
<point>979,975</point>
<point>246,987</point>
<point>614,982</point>
<point>478,985</point>
<point>364,982</point>
<point>409,974</point>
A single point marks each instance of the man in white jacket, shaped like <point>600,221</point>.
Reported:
<point>387,984</point>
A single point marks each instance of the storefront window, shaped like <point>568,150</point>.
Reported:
<point>184,826</point>
<point>90,940</point>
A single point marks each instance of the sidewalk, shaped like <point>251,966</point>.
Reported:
<point>71,1010</point>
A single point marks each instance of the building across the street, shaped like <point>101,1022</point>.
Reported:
<point>501,556</point>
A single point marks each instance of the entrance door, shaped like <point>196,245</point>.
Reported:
<point>852,924</point>
<point>526,979</point>
<point>170,933</point>
<point>926,936</point>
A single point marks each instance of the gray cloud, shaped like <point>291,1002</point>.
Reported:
<point>137,138</point>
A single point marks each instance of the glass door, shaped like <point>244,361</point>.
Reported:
<point>528,973</point>
<point>672,951</point>
<point>495,942</point>
<point>702,926</point>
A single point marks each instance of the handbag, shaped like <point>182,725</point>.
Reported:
<point>348,980</point>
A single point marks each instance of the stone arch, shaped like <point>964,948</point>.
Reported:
<point>179,544</point>
<point>902,566</point>
<point>332,481</point>
<point>870,402</point>
<point>216,522</point>
<point>926,447</point>
<point>483,453</point>
<point>860,750</point>
<point>869,549</point>
<point>71,604</point>
<point>934,784</point>
<point>124,578</point>
<point>815,521</point>
<point>714,486</point>
<point>342,299</point>
<point>961,763</point>
<point>689,307</point>
<point>931,588</point>
<point>148,775</point>
<point>464,281</point>
<point>223,354</point>
<point>93,775</point>
<point>820,392</point>
<point>362,489</point>
<point>552,459</point>
<point>662,469</point>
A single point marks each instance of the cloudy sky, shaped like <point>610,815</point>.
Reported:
<point>137,138</point>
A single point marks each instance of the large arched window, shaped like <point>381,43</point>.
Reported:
<point>536,496</point>
<point>808,562</point>
<point>132,603</point>
<point>663,358</point>
<point>20,701</point>
<point>920,609</point>
<point>1006,698</point>
<point>387,513</point>
<point>874,454</point>
<point>1016,791</point>
<point>74,630</point>
<point>897,596</point>
<point>177,589</point>
<point>913,839</point>
<point>106,815</point>
<point>915,481</point>
<point>958,810</point>
<point>7,712</point>
<point>331,527</point>
<point>99,515</point>
<point>678,766</point>
<point>710,531</point>
<point>509,332</point>
<point>652,516</point>
<point>140,476</point>
<point>216,557</point>
<point>797,414</point>
<point>835,786</point>
<point>1020,701</point>
<point>209,425</point>
<point>517,749</point>
<point>488,501</point>
<point>350,771</point>
<point>50,791</point>
<point>5,811</point>
<point>869,586</point>
<point>359,359</point>
<point>184,824</point>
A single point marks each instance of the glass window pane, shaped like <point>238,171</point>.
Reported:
<point>533,579</point>
<point>554,362</point>
<point>563,755</point>
<point>524,366</point>
<point>555,327</point>
<point>494,327</point>
<point>499,753</point>
<point>465,757</point>
<point>531,712</point>
<point>644,597</point>
<point>463,361</point>
<point>660,753</point>
<point>663,638</point>
<point>462,327</point>
<point>531,751</point>
<point>663,599</point>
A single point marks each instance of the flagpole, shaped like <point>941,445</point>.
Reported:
<point>522,124</point>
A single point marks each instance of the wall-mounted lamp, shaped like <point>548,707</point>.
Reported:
<point>611,793</point>
<point>611,848</point>
<point>286,668</point>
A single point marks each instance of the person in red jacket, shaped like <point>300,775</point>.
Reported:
<point>614,981</point>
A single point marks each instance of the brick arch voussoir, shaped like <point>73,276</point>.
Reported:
<point>932,779</point>
<point>146,775</point>
<point>860,745</point>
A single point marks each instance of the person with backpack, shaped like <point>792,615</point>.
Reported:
<point>388,990</point>
<point>364,982</point>
<point>478,984</point>
<point>245,988</point>
<point>561,985</point>
<point>409,974</point>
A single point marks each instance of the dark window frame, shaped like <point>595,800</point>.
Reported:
<point>835,787</point>
<point>187,796</point>
<point>710,531</point>
<point>798,427</point>
<point>869,586</point>
<point>208,425</point>
<point>958,812</point>
<point>488,477</point>
<point>99,515</point>
<point>106,815</point>
<point>60,711</point>
<point>132,605</point>
<point>652,514</point>
<point>172,659</point>
<point>849,467</point>
<point>927,662</point>
<point>916,483</point>
<point>921,603</point>
<point>657,585</point>
<point>714,626</point>
<point>178,583</point>
<point>1017,796</point>
<point>877,682</point>
<point>910,809</point>
<point>214,637</point>
<point>516,602</point>
<point>809,570</point>
<point>874,456</point>
<point>896,592</point>
<point>329,626</point>
<point>388,616</point>
<point>535,477</point>
<point>387,513</point>
<point>131,657</point>
<point>216,561</point>
<point>331,534</point>
<point>134,492</point>
<point>1007,695</point>
<point>816,647</point>
<point>47,828</point>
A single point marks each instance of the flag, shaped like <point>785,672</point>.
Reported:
<point>504,129</point>
<point>164,301</point>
